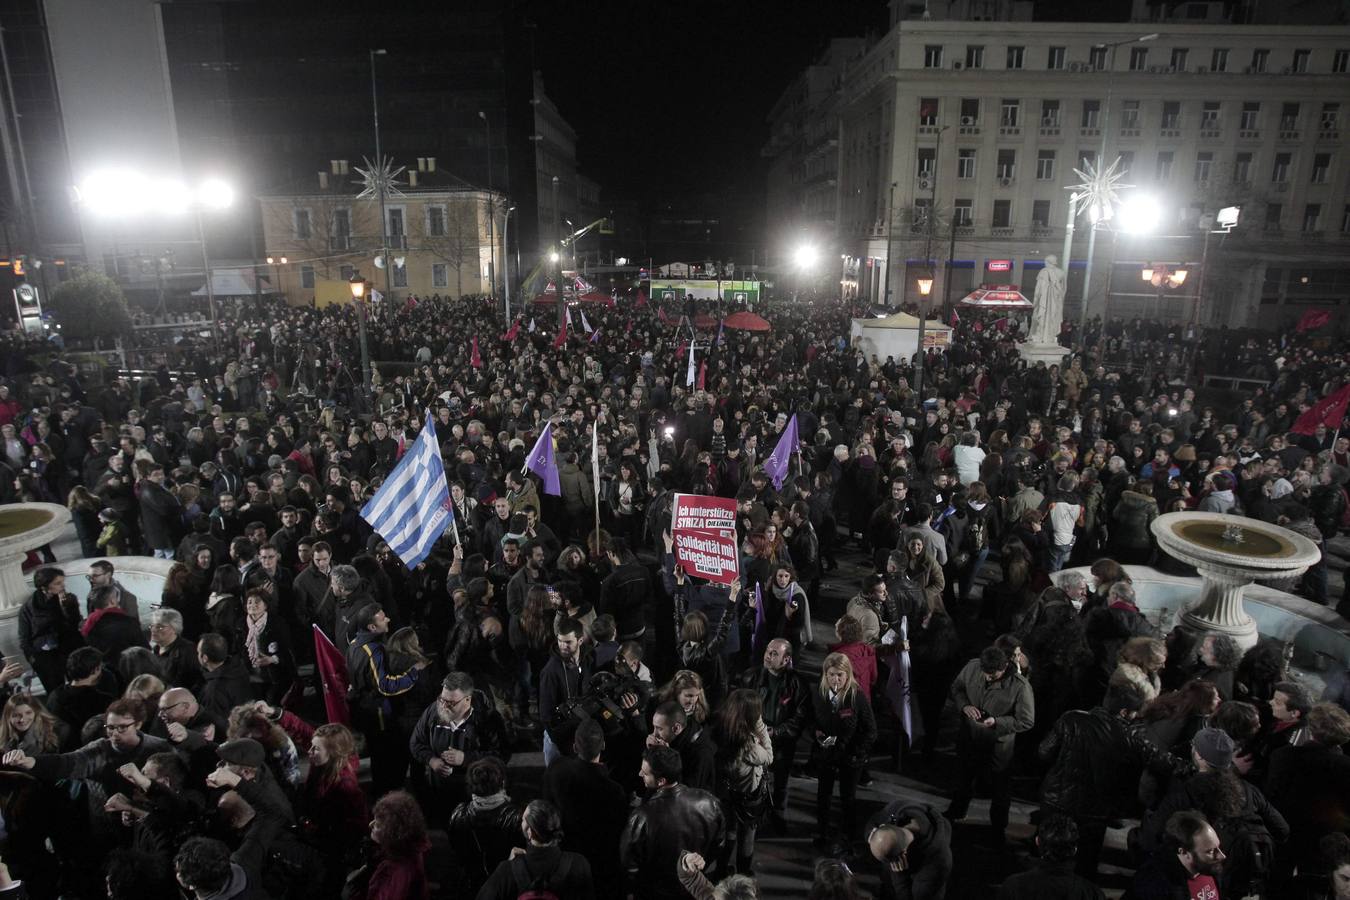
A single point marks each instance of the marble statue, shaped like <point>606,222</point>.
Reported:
<point>1049,302</point>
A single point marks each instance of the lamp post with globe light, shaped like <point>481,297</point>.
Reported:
<point>358,288</point>
<point>925,284</point>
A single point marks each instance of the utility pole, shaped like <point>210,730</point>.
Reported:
<point>380,186</point>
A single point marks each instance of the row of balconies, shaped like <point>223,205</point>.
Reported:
<point>1052,129</point>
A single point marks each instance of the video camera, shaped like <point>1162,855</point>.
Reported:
<point>603,702</point>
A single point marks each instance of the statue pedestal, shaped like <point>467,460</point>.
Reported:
<point>1051,354</point>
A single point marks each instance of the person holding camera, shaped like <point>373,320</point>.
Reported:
<point>49,624</point>
<point>566,677</point>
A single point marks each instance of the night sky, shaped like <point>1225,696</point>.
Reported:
<point>669,97</point>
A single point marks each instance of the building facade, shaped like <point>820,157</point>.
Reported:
<point>956,141</point>
<point>436,224</point>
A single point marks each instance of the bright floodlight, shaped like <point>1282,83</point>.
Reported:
<point>553,257</point>
<point>1139,214</point>
<point>1228,216</point>
<point>215,194</point>
<point>114,192</point>
<point>805,256</point>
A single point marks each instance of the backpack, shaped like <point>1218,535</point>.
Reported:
<point>539,888</point>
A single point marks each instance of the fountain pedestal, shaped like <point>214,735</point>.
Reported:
<point>24,527</point>
<point>1230,552</point>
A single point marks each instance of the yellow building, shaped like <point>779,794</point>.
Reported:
<point>436,223</point>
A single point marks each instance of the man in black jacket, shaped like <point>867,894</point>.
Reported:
<point>161,515</point>
<point>81,697</point>
<point>566,676</point>
<point>108,627</point>
<point>625,593</point>
<point>459,728</point>
<point>1186,866</point>
<point>1057,841</point>
<point>1095,760</point>
<point>594,807</point>
<point>176,655</point>
<point>225,677</point>
<point>673,820</point>
<point>912,844</point>
<point>786,705</point>
<point>672,728</point>
<point>544,868</point>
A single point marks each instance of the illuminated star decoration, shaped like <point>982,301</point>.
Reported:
<point>1098,193</point>
<point>374,177</point>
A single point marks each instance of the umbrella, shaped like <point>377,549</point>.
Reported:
<point>996,296</point>
<point>747,321</point>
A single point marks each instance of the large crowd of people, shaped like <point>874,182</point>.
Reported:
<point>189,744</point>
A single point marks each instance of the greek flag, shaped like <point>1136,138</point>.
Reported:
<point>412,508</point>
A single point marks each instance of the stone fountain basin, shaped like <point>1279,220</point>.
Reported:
<point>25,526</point>
<point>1266,551</point>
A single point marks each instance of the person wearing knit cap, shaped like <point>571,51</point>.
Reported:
<point>1212,749</point>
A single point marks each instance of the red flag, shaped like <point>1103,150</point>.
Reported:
<point>679,354</point>
<point>561,338</point>
<point>661,314</point>
<point>1312,320</point>
<point>627,329</point>
<point>475,358</point>
<point>332,669</point>
<point>642,300</point>
<point>1328,411</point>
<point>702,373</point>
<point>512,331</point>
<point>956,319</point>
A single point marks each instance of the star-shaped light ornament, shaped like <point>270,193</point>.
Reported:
<point>374,177</point>
<point>1098,194</point>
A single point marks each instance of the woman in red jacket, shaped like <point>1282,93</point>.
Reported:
<point>861,654</point>
<point>397,870</point>
<point>332,809</point>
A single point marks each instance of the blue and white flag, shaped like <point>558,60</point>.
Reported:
<point>412,508</point>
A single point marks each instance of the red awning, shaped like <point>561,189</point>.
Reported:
<point>747,321</point>
<point>996,296</point>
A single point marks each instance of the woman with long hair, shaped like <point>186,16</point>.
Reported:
<point>248,721</point>
<point>397,868</point>
<point>843,730</point>
<point>1171,722</point>
<point>699,642</point>
<point>225,607</point>
<point>183,594</point>
<point>744,782</point>
<point>686,689</point>
<point>531,636</point>
<point>26,725</point>
<point>627,497</point>
<point>1140,662</point>
<point>331,807</point>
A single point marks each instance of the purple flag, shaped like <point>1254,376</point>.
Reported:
<point>776,466</point>
<point>541,462</point>
<point>758,628</point>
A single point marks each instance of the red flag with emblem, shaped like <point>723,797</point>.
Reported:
<point>475,358</point>
<point>1328,411</point>
<point>332,669</point>
<point>1312,320</point>
<point>561,338</point>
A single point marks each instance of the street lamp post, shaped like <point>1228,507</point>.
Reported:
<point>557,258</point>
<point>890,244</point>
<point>358,288</point>
<point>380,187</point>
<point>925,288</point>
<point>506,259</point>
<point>492,211</point>
<point>276,271</point>
<point>1101,164</point>
<point>210,288</point>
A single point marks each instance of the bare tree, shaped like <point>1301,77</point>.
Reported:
<point>459,243</point>
<point>321,244</point>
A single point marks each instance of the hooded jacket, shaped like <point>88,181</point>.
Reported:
<point>1133,515</point>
